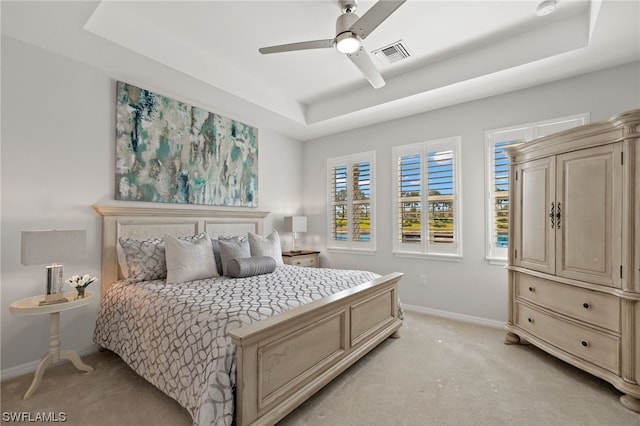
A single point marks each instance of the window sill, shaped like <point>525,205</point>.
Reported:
<point>430,256</point>
<point>500,261</point>
<point>351,251</point>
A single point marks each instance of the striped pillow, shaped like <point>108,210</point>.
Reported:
<point>250,266</point>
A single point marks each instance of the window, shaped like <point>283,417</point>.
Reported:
<point>498,176</point>
<point>351,202</point>
<point>427,202</point>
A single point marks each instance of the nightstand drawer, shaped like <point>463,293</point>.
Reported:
<point>307,259</point>
<point>591,345</point>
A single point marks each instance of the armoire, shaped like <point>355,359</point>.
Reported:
<point>574,249</point>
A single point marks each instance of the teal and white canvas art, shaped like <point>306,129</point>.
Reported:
<point>171,152</point>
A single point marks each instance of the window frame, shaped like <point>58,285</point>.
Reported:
<point>349,245</point>
<point>521,133</point>
<point>424,249</point>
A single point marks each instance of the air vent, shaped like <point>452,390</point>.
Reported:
<point>392,53</point>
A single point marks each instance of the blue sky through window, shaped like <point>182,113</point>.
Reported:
<point>440,169</point>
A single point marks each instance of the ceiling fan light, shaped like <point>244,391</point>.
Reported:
<point>347,42</point>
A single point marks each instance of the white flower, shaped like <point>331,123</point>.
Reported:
<point>80,281</point>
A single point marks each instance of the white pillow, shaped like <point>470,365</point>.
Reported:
<point>266,246</point>
<point>189,260</point>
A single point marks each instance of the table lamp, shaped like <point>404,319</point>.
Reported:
<point>50,247</point>
<point>295,224</point>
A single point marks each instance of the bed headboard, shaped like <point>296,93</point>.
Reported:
<point>155,222</point>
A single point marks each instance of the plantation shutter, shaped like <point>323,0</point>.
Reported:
<point>410,198</point>
<point>440,169</point>
<point>339,203</point>
<point>501,194</point>
<point>361,196</point>
<point>351,202</point>
<point>427,201</point>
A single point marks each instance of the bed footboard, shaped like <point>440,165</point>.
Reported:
<point>283,360</point>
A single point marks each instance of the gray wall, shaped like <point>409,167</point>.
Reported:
<point>471,287</point>
<point>58,155</point>
<point>58,159</point>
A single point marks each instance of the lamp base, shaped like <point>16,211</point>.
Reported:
<point>52,299</point>
<point>295,251</point>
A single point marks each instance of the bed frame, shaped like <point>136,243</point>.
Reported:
<point>282,360</point>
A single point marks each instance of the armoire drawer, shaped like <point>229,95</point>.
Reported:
<point>596,308</point>
<point>588,344</point>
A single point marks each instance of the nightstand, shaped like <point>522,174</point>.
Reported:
<point>31,306</point>
<point>307,258</point>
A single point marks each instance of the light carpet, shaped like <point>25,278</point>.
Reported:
<point>440,372</point>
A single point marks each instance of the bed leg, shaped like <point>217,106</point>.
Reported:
<point>395,335</point>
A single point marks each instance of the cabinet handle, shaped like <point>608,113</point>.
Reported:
<point>532,289</point>
<point>586,305</point>
<point>558,214</point>
<point>552,215</point>
<point>530,320</point>
<point>585,343</point>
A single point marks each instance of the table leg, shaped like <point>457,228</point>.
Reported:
<point>44,363</point>
<point>54,336</point>
<point>54,355</point>
<point>75,359</point>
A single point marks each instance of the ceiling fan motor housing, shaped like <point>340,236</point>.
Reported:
<point>344,22</point>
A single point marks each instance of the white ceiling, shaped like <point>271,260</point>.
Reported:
<point>460,51</point>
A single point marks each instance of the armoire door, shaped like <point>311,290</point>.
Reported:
<point>589,203</point>
<point>534,232</point>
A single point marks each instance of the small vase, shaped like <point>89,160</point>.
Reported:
<point>80,294</point>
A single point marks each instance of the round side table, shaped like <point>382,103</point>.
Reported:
<point>31,306</point>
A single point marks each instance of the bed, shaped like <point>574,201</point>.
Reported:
<point>301,327</point>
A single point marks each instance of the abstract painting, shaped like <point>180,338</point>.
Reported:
<point>171,152</point>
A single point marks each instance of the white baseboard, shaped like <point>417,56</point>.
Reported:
<point>454,316</point>
<point>31,367</point>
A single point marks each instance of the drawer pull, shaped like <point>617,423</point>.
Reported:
<point>585,343</point>
<point>530,319</point>
<point>532,289</point>
<point>586,305</point>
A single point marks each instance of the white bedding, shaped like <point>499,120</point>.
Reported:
<point>175,335</point>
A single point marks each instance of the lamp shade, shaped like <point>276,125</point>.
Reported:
<point>295,224</point>
<point>45,247</point>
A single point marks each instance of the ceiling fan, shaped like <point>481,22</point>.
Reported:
<point>351,29</point>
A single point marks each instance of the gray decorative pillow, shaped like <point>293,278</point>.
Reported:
<point>145,259</point>
<point>122,260</point>
<point>266,246</point>
<point>233,250</point>
<point>250,266</point>
<point>189,260</point>
<point>216,249</point>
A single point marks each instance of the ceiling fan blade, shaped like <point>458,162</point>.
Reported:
<point>374,17</point>
<point>364,63</point>
<point>315,44</point>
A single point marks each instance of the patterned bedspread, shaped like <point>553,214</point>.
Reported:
<point>175,335</point>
